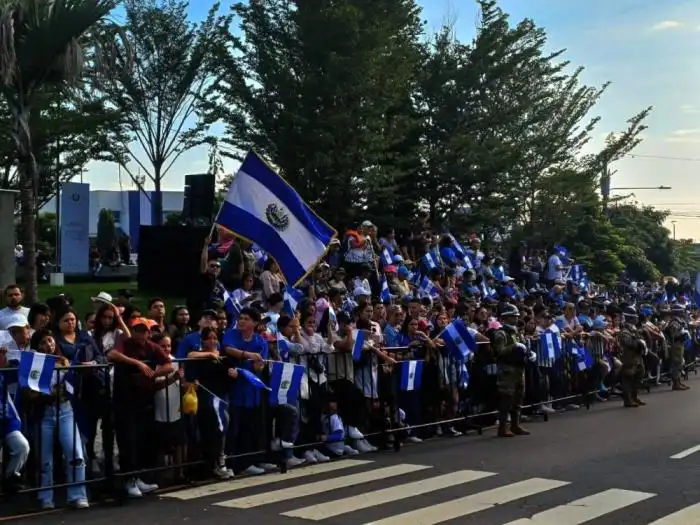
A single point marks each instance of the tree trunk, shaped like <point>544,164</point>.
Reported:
<point>157,202</point>
<point>28,230</point>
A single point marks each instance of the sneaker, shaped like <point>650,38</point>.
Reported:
<point>81,503</point>
<point>222,473</point>
<point>294,462</point>
<point>145,488</point>
<point>354,433</point>
<point>362,446</point>
<point>310,457</point>
<point>267,467</point>
<point>370,445</point>
<point>254,471</point>
<point>47,505</point>
<point>572,406</point>
<point>337,449</point>
<point>321,458</point>
<point>414,439</point>
<point>438,431</point>
<point>348,450</point>
<point>132,491</point>
<point>286,444</point>
<point>454,432</point>
<point>547,409</point>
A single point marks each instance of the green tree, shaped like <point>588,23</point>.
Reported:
<point>45,49</point>
<point>106,232</point>
<point>161,96</point>
<point>72,129</point>
<point>322,89</point>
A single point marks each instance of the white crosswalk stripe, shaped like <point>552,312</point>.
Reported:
<point>687,516</point>
<point>379,497</point>
<point>244,483</point>
<point>351,473</point>
<point>586,509</point>
<point>320,486</point>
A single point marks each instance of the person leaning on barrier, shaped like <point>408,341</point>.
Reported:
<point>676,334</point>
<point>11,438</point>
<point>633,350</point>
<point>511,357</point>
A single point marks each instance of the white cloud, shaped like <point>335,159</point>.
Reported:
<point>686,132</point>
<point>666,24</point>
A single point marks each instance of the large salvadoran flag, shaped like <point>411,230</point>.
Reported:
<point>264,209</point>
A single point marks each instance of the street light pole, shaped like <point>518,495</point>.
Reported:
<point>673,223</point>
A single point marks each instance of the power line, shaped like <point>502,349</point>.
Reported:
<point>662,157</point>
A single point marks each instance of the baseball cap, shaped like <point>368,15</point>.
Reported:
<point>142,321</point>
<point>16,320</point>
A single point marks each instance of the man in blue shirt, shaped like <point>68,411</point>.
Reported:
<point>244,345</point>
<point>192,342</point>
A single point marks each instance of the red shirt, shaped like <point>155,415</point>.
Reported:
<point>129,381</point>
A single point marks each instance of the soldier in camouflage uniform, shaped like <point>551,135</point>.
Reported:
<point>676,333</point>
<point>511,355</point>
<point>633,350</point>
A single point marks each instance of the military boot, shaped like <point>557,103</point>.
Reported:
<point>628,402</point>
<point>635,399</point>
<point>677,385</point>
<point>515,427</point>
<point>503,430</point>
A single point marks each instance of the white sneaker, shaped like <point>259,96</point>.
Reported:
<point>254,471</point>
<point>222,473</point>
<point>267,467</point>
<point>347,449</point>
<point>362,446</point>
<point>547,408</point>
<point>81,503</point>
<point>354,433</point>
<point>286,444</point>
<point>454,432</point>
<point>294,462</point>
<point>336,448</point>
<point>132,491</point>
<point>414,439</point>
<point>310,457</point>
<point>321,458</point>
<point>145,488</point>
<point>438,431</point>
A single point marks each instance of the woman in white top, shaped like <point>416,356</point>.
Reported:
<point>271,278</point>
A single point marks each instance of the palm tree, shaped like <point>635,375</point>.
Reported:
<point>47,46</point>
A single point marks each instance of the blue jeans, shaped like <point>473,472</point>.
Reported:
<point>60,419</point>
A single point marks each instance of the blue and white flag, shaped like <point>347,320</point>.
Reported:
<point>427,288</point>
<point>583,359</point>
<point>577,273</point>
<point>459,339</point>
<point>358,341</point>
<point>254,380</point>
<point>260,206</point>
<point>385,293</point>
<point>386,257</point>
<point>8,411</point>
<point>36,371</point>
<point>232,306</point>
<point>550,343</point>
<point>285,383</point>
<point>429,261</point>
<point>411,372</point>
<point>284,346</point>
<point>292,296</point>
<point>220,407</point>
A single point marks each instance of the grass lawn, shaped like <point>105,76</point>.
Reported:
<point>81,293</point>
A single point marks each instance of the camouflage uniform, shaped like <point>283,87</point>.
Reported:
<point>675,336</point>
<point>510,358</point>
<point>633,350</point>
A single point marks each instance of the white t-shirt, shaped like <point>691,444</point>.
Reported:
<point>167,400</point>
<point>552,264</point>
<point>13,351</point>
<point>7,313</point>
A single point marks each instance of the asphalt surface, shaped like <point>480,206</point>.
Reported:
<point>619,459</point>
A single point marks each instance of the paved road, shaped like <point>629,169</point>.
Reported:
<point>606,466</point>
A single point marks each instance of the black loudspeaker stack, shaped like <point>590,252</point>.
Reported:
<point>198,204</point>
<point>169,258</point>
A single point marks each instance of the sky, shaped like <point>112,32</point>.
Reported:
<point>647,49</point>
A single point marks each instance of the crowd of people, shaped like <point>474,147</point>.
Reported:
<point>157,387</point>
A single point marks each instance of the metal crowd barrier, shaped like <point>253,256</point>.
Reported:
<point>174,446</point>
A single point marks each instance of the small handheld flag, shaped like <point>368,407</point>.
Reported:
<point>285,383</point>
<point>254,380</point>
<point>459,339</point>
<point>411,372</point>
<point>358,337</point>
<point>36,371</point>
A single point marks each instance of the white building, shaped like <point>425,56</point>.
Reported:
<point>130,209</point>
